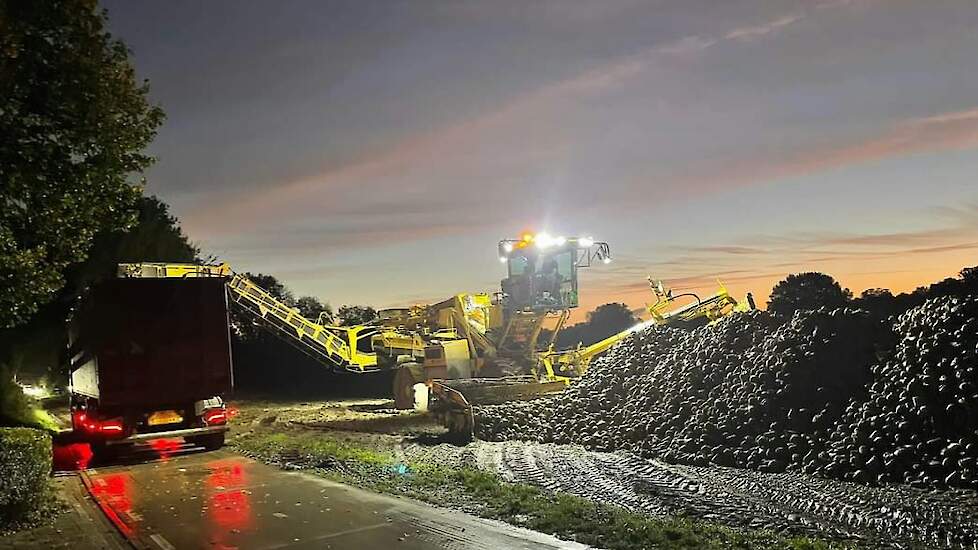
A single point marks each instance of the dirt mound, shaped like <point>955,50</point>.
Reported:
<point>822,392</point>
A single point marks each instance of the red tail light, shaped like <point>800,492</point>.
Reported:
<point>112,427</point>
<point>215,416</point>
<point>78,419</point>
<point>81,421</point>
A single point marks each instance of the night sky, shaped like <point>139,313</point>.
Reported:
<point>375,152</point>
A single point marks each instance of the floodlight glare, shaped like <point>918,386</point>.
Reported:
<point>544,240</point>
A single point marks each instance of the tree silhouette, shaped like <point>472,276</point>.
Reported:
<point>881,302</point>
<point>969,279</point>
<point>355,315</point>
<point>310,307</point>
<point>154,237</point>
<point>807,291</point>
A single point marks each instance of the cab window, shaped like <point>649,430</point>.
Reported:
<point>565,264</point>
<point>517,265</point>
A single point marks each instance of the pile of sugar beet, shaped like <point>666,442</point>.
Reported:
<point>837,394</point>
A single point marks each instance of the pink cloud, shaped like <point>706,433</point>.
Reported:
<point>756,31</point>
<point>957,130</point>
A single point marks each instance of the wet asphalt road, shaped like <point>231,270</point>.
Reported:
<point>175,497</point>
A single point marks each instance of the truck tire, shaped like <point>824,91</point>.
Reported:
<point>211,442</point>
<point>404,381</point>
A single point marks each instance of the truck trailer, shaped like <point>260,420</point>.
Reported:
<point>150,359</point>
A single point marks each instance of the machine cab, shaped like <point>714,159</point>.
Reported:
<point>542,270</point>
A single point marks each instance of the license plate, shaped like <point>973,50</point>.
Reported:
<point>164,417</point>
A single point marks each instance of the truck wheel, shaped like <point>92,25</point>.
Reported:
<point>211,442</point>
<point>404,382</point>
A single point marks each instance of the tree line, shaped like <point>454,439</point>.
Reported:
<point>814,290</point>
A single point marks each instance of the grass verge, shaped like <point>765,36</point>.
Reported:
<point>566,516</point>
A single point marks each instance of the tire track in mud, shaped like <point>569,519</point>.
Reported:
<point>790,503</point>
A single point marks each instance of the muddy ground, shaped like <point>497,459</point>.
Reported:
<point>889,516</point>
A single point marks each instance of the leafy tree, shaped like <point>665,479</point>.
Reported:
<point>969,280</point>
<point>310,307</point>
<point>155,237</point>
<point>807,291</point>
<point>355,315</point>
<point>969,275</point>
<point>884,304</point>
<point>879,301</point>
<point>74,123</point>
<point>612,318</point>
<point>965,284</point>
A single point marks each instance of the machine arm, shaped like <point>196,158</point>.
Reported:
<point>576,361</point>
<point>711,308</point>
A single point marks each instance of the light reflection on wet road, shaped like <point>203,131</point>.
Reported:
<point>171,495</point>
<point>71,457</point>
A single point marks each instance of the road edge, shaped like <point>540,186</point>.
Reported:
<point>126,531</point>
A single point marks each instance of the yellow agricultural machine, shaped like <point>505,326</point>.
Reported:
<point>471,348</point>
<point>490,344</point>
<point>698,310</point>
